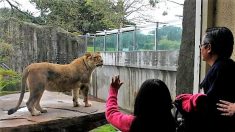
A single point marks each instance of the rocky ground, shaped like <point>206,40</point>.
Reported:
<point>61,115</point>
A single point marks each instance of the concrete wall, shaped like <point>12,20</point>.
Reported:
<point>225,15</point>
<point>217,13</point>
<point>134,68</point>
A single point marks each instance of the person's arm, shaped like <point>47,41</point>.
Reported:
<point>113,115</point>
<point>227,108</point>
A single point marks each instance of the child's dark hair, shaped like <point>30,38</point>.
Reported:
<point>152,107</point>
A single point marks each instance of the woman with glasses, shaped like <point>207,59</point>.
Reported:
<point>219,83</point>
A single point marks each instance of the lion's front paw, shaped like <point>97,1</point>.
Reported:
<point>87,104</point>
<point>43,111</point>
<point>76,104</point>
<point>35,113</point>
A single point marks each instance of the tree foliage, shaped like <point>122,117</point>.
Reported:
<point>78,15</point>
<point>83,15</point>
<point>72,15</point>
<point>172,33</point>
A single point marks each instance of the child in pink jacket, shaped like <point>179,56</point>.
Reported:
<point>152,109</point>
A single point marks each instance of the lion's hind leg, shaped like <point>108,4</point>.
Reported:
<point>38,106</point>
<point>85,90</point>
<point>31,104</point>
<point>36,90</point>
<point>75,93</point>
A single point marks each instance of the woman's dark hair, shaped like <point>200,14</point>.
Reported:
<point>221,40</point>
<point>152,108</point>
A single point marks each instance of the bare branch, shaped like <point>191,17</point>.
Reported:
<point>15,7</point>
<point>175,2</point>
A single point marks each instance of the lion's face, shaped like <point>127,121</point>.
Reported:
<point>94,59</point>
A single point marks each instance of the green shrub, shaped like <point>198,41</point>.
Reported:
<point>9,80</point>
<point>6,51</point>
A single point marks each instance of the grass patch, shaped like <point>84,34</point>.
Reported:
<point>7,92</point>
<point>90,49</point>
<point>105,128</point>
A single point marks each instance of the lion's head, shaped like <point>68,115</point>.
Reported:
<point>94,59</point>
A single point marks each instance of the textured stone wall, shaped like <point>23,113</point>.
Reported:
<point>34,43</point>
<point>225,16</point>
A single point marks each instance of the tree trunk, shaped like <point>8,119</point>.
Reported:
<point>185,71</point>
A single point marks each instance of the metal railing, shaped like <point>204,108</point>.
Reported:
<point>160,36</point>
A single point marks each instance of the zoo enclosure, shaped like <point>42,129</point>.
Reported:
<point>33,43</point>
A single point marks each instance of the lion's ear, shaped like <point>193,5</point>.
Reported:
<point>87,54</point>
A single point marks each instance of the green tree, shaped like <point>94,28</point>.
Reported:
<point>171,32</point>
<point>72,15</point>
<point>166,44</point>
<point>79,15</point>
<point>83,15</point>
<point>6,13</point>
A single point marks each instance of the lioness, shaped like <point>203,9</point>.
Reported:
<point>75,76</point>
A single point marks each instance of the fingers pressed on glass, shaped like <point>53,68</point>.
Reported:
<point>225,102</point>
<point>221,109</point>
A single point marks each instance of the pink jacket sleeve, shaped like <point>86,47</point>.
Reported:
<point>114,116</point>
<point>193,102</point>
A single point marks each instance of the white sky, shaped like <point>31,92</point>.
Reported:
<point>173,12</point>
<point>155,14</point>
<point>25,5</point>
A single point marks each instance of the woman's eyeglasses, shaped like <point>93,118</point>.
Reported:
<point>200,46</point>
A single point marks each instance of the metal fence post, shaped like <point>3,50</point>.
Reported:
<point>118,40</point>
<point>94,43</point>
<point>134,39</point>
<point>104,40</point>
<point>86,40</point>
<point>156,34</point>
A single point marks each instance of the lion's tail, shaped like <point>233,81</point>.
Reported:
<point>23,87</point>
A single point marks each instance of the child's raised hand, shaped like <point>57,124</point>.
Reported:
<point>116,83</point>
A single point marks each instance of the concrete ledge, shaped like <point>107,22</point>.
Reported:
<point>61,115</point>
